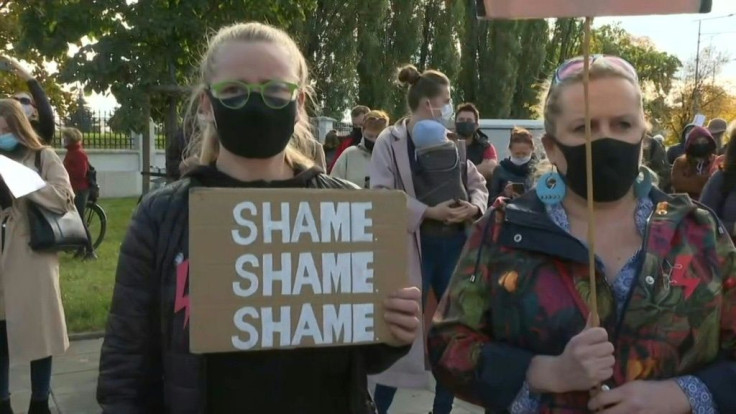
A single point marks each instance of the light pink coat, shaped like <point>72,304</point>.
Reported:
<point>387,173</point>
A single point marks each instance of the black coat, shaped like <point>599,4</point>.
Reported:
<point>146,366</point>
<point>44,126</point>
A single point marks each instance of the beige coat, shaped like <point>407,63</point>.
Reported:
<point>352,165</point>
<point>30,299</point>
<point>390,169</point>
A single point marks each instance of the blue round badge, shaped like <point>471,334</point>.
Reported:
<point>551,188</point>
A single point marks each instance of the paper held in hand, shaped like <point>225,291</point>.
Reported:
<point>538,9</point>
<point>20,179</point>
<point>293,268</point>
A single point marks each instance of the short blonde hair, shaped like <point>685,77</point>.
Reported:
<point>599,69</point>
<point>206,142</point>
<point>72,134</point>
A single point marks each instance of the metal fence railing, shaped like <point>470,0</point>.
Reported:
<point>97,132</point>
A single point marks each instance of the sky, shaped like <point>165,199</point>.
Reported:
<point>677,35</point>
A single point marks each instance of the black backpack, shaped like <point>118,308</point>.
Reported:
<point>94,188</point>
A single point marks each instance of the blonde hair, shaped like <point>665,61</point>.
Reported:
<point>205,141</point>
<point>599,69</point>
<point>72,134</point>
<point>376,120</point>
<point>19,124</point>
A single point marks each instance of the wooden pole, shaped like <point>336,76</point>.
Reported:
<point>595,318</point>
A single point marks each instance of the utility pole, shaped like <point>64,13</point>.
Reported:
<point>696,90</point>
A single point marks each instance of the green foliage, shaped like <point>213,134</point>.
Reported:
<point>136,49</point>
<point>11,43</point>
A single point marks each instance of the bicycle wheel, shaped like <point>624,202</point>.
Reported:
<point>96,221</point>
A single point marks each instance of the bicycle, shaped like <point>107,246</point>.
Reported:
<point>95,219</point>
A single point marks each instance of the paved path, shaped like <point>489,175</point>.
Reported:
<point>75,379</point>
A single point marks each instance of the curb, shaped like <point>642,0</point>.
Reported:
<point>82,336</point>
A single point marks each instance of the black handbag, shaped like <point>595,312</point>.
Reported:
<point>53,232</point>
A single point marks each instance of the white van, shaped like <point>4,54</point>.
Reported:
<point>499,132</point>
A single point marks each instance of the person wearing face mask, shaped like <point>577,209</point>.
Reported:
<point>353,164</point>
<point>693,169</point>
<point>355,137</point>
<point>436,232</point>
<point>515,171</point>
<point>478,147</point>
<point>253,89</point>
<point>515,335</point>
<point>36,105</point>
<point>32,324</point>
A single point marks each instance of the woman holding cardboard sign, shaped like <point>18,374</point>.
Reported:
<point>253,90</point>
<point>511,334</point>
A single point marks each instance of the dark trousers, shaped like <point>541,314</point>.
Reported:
<point>40,371</point>
<point>439,258</point>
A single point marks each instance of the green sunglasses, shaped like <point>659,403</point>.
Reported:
<point>234,94</point>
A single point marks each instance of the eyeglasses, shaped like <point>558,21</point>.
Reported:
<point>235,94</point>
<point>576,65</point>
<point>23,100</point>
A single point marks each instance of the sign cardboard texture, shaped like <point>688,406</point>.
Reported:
<point>293,268</point>
<point>538,9</point>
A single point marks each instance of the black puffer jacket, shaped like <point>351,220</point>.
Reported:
<point>146,366</point>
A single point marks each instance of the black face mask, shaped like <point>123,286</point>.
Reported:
<point>465,129</point>
<point>369,144</point>
<point>615,167</point>
<point>700,150</point>
<point>255,130</point>
<point>357,133</point>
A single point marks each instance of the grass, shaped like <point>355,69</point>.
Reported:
<point>86,287</point>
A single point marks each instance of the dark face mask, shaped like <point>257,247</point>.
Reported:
<point>465,129</point>
<point>700,150</point>
<point>255,130</point>
<point>615,167</point>
<point>369,144</point>
<point>357,133</point>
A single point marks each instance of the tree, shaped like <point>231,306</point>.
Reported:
<point>534,39</point>
<point>137,50</point>
<point>328,39</point>
<point>10,43</point>
<point>82,117</point>
<point>702,94</point>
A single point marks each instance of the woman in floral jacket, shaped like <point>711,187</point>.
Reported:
<point>511,332</point>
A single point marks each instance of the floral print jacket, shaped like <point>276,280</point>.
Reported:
<point>521,289</point>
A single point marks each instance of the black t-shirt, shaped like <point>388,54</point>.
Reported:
<point>304,381</point>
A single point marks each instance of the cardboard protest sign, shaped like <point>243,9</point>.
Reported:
<point>292,268</point>
<point>539,9</point>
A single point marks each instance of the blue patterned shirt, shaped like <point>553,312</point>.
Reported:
<point>696,391</point>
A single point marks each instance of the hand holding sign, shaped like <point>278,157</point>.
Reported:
<point>403,313</point>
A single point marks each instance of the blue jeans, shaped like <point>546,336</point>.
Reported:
<point>439,258</point>
<point>40,371</point>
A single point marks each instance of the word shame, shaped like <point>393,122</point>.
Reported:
<point>340,273</point>
<point>345,222</point>
<point>340,324</point>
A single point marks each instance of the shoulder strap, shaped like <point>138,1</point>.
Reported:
<point>463,157</point>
